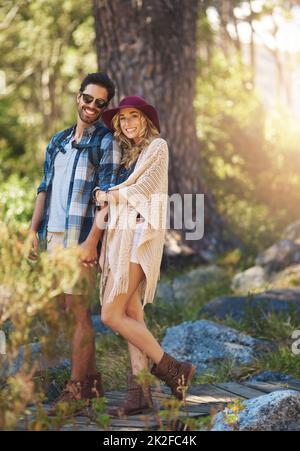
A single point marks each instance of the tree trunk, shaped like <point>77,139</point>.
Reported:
<point>148,47</point>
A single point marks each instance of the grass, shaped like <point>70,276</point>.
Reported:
<point>281,360</point>
<point>271,326</point>
<point>276,328</point>
<point>172,312</point>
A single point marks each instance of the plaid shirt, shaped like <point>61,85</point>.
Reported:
<point>96,165</point>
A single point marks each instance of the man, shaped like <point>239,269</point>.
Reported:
<point>77,160</point>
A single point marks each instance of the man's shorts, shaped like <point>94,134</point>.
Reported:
<point>87,279</point>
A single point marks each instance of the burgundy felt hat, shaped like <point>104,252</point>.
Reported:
<point>132,102</point>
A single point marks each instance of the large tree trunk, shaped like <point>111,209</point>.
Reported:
<point>148,47</point>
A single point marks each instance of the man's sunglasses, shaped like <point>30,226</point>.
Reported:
<point>100,103</point>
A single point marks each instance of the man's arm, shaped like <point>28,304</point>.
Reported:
<point>89,254</point>
<point>35,221</point>
<point>106,178</point>
<point>39,204</point>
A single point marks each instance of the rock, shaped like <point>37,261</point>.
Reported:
<point>164,292</point>
<point>187,286</point>
<point>292,232</point>
<point>10,366</point>
<point>206,344</point>
<point>289,277</point>
<point>271,376</point>
<point>283,257</point>
<point>277,411</point>
<point>277,300</point>
<point>277,257</point>
<point>252,279</point>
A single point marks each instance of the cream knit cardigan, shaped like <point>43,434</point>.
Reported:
<point>146,192</point>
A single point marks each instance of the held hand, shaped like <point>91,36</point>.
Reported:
<point>88,254</point>
<point>101,196</point>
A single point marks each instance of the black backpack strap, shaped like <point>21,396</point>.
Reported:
<point>57,142</point>
<point>95,150</point>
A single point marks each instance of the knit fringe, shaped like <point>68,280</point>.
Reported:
<point>149,295</point>
<point>150,284</point>
<point>120,287</point>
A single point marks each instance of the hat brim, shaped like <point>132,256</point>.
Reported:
<point>148,110</point>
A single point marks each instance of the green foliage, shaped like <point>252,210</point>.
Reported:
<point>12,142</point>
<point>231,414</point>
<point>28,292</point>
<point>250,156</point>
<point>46,48</point>
<point>17,200</point>
<point>233,149</point>
<point>101,418</point>
<point>270,325</point>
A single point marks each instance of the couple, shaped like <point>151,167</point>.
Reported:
<point>113,158</point>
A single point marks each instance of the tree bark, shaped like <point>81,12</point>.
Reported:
<point>148,47</point>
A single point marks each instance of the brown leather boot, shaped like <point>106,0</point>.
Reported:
<point>177,375</point>
<point>83,391</point>
<point>138,400</point>
<point>71,394</point>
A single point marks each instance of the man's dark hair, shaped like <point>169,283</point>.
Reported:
<point>100,79</point>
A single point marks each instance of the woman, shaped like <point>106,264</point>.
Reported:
<point>133,245</point>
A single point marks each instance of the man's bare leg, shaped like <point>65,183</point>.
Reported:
<point>83,340</point>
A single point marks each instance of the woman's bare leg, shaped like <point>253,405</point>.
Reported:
<point>139,360</point>
<point>114,316</point>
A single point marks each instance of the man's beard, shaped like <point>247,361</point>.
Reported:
<point>87,119</point>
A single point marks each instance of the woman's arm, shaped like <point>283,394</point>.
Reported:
<point>157,168</point>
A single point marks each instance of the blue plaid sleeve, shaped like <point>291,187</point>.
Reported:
<point>109,164</point>
<point>43,185</point>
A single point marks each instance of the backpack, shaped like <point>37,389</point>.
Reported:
<point>94,153</point>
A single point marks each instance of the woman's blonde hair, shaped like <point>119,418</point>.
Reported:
<point>131,150</point>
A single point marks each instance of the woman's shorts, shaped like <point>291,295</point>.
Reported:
<point>136,241</point>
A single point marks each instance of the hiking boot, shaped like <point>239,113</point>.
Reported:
<point>138,399</point>
<point>177,375</point>
<point>72,396</point>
